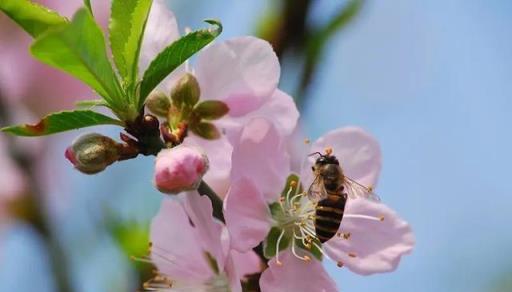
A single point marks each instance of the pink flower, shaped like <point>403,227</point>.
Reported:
<point>371,238</point>
<point>180,169</point>
<point>243,72</point>
<point>191,248</point>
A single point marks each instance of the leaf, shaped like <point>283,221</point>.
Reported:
<point>34,18</point>
<point>205,130</point>
<point>127,24</point>
<point>87,4</point>
<point>174,55</point>
<point>79,49</point>
<point>211,109</point>
<point>270,243</point>
<point>61,122</point>
<point>87,104</point>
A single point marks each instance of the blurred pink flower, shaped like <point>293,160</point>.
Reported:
<point>243,72</point>
<point>190,247</point>
<point>24,79</point>
<point>371,238</point>
<point>180,169</point>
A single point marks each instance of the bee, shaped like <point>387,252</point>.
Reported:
<point>330,190</point>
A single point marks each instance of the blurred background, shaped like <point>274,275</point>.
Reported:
<point>432,80</point>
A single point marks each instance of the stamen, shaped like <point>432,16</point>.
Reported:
<point>352,255</point>
<point>277,248</point>
<point>339,264</point>
<point>328,151</point>
<point>357,216</point>
<point>344,235</point>
<point>307,141</point>
<point>304,258</point>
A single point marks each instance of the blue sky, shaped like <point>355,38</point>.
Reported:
<point>432,80</point>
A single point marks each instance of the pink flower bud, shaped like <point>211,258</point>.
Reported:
<point>180,169</point>
<point>92,153</point>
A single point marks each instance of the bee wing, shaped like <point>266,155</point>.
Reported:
<point>357,190</point>
<point>317,191</point>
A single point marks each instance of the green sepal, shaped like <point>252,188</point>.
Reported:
<point>292,177</point>
<point>186,92</point>
<point>62,122</point>
<point>205,130</point>
<point>270,243</point>
<point>176,54</point>
<point>34,18</point>
<point>211,110</point>
<point>315,251</point>
<point>212,262</point>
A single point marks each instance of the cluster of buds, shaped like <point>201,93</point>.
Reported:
<point>184,111</point>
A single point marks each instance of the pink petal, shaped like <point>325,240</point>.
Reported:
<point>295,275</point>
<point>199,210</point>
<point>358,152</point>
<point>261,155</point>
<point>375,246</point>
<point>180,169</point>
<point>219,154</point>
<point>12,180</point>
<point>280,109</point>
<point>233,275</point>
<point>177,249</point>
<point>246,263</point>
<point>161,31</point>
<point>247,215</point>
<point>243,72</point>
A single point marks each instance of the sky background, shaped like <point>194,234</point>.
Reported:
<point>432,80</point>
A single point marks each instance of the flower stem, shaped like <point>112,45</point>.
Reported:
<point>205,190</point>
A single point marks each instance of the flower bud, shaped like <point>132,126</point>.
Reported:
<point>186,91</point>
<point>180,169</point>
<point>158,103</point>
<point>92,153</point>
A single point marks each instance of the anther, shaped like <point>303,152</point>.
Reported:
<point>307,259</point>
<point>328,151</point>
<point>339,264</point>
<point>346,235</point>
<point>293,183</point>
<point>352,255</point>
<point>381,218</point>
<point>279,263</point>
<point>307,141</point>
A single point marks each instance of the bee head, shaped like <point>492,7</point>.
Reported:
<point>324,159</point>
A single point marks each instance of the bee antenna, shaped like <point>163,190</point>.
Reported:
<point>314,153</point>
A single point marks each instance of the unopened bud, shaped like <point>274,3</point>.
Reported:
<point>158,103</point>
<point>92,153</point>
<point>180,169</point>
<point>186,91</point>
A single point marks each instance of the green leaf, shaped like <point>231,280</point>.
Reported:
<point>33,18</point>
<point>127,24</point>
<point>87,4</point>
<point>205,130</point>
<point>174,55</point>
<point>270,243</point>
<point>79,49</point>
<point>88,104</point>
<point>211,109</point>
<point>61,122</point>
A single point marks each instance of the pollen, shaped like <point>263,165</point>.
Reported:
<point>339,264</point>
<point>279,263</point>
<point>328,150</point>
<point>307,259</point>
<point>381,218</point>
<point>352,255</point>
<point>307,141</point>
<point>293,183</point>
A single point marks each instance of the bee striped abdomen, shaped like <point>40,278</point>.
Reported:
<point>328,215</point>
